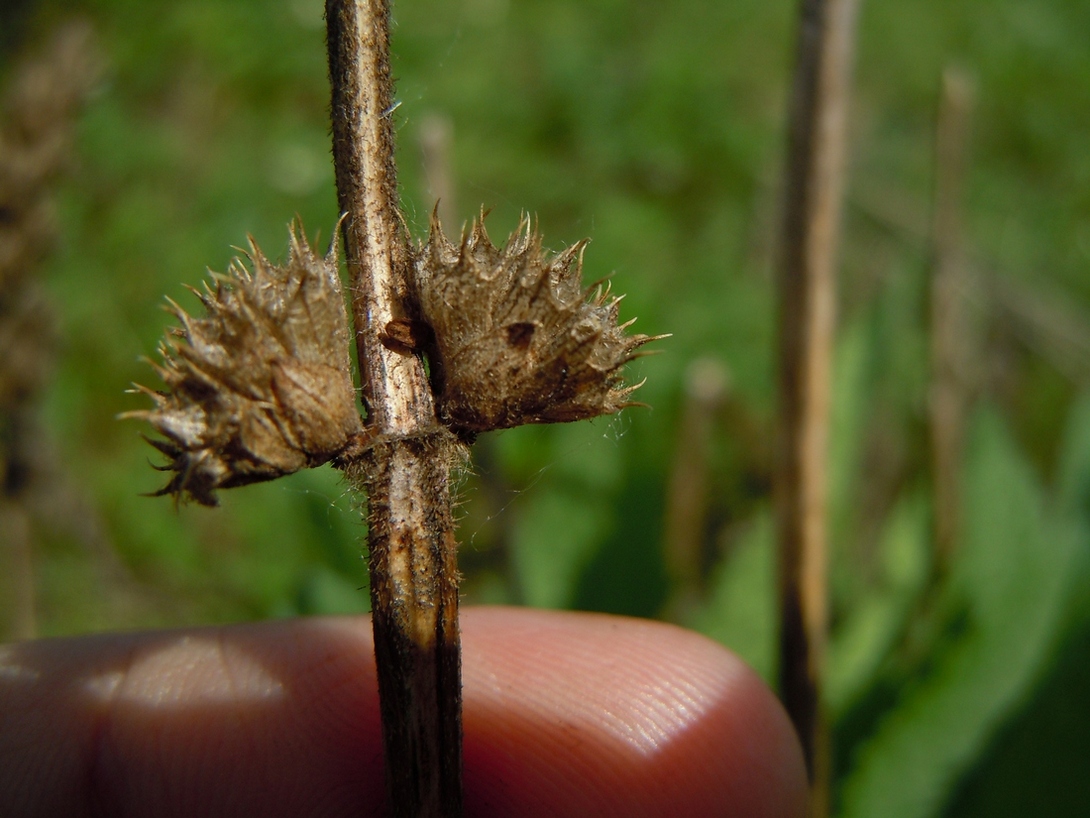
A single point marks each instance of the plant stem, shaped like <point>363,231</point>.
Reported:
<point>707,387</point>
<point>414,590</point>
<point>807,304</point>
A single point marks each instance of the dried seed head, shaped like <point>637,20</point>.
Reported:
<point>516,337</point>
<point>262,385</point>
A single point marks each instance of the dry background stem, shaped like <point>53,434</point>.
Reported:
<point>37,118</point>
<point>688,495</point>
<point>807,295</point>
<point>414,592</point>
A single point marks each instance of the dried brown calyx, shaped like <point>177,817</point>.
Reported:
<point>262,385</point>
<point>515,338</point>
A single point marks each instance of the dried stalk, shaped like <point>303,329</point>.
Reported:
<point>414,593</point>
<point>948,398</point>
<point>707,387</point>
<point>37,118</point>
<point>807,299</point>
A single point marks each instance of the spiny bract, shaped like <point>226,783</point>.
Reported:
<point>516,337</point>
<point>262,385</point>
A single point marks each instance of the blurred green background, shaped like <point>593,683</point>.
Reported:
<point>657,130</point>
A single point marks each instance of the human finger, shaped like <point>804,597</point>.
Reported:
<point>564,714</point>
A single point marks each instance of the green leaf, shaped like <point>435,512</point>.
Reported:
<point>1012,576</point>
<point>872,627</point>
<point>554,537</point>
<point>741,608</point>
<point>324,591</point>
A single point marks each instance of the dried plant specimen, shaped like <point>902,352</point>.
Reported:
<point>514,336</point>
<point>262,385</point>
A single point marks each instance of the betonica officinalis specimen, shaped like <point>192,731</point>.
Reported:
<point>453,338</point>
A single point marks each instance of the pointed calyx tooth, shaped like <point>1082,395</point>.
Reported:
<point>517,338</point>
<point>261,386</point>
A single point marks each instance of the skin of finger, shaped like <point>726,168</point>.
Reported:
<point>579,714</point>
<point>277,718</point>
<point>564,714</point>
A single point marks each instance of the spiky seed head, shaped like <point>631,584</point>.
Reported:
<point>261,386</point>
<point>517,338</point>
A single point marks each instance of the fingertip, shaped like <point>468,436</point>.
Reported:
<point>565,714</point>
<point>577,714</point>
<point>274,718</point>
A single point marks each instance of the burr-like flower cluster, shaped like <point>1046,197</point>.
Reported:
<point>516,337</point>
<point>262,385</point>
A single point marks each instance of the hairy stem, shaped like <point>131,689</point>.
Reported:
<point>405,475</point>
